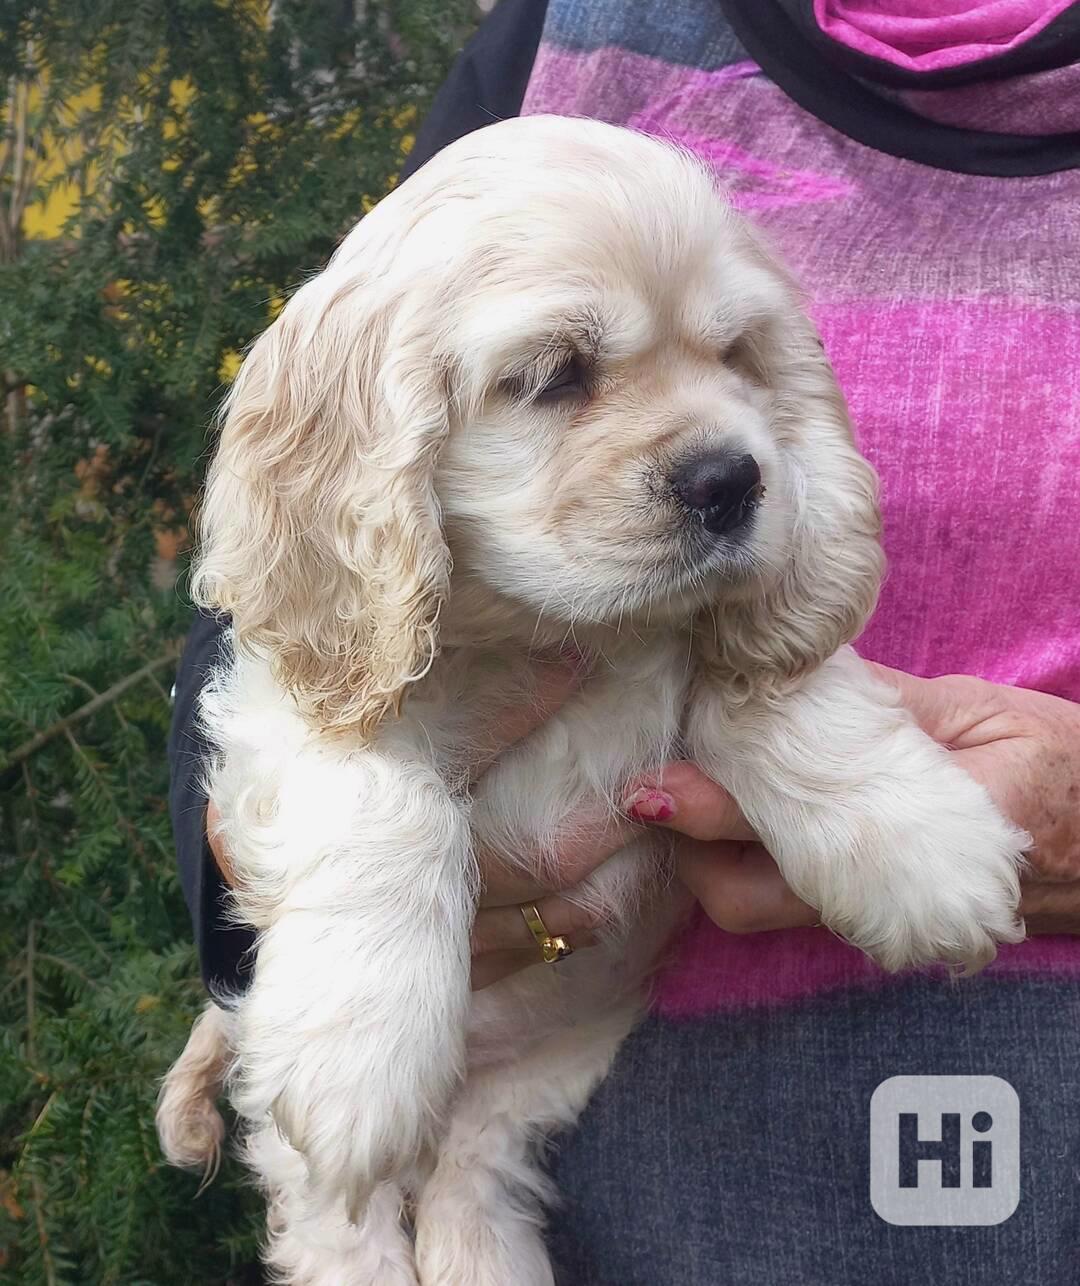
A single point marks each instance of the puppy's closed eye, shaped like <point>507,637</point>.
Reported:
<point>548,383</point>
<point>568,382</point>
<point>744,356</point>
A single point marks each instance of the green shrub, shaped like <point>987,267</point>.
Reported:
<point>213,157</point>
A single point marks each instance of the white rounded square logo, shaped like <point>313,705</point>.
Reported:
<point>944,1150</point>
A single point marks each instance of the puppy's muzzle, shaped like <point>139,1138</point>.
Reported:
<point>721,488</point>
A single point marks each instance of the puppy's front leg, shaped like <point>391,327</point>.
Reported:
<point>869,820</point>
<point>351,1037</point>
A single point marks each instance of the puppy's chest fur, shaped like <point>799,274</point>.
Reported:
<point>567,776</point>
<point>621,722</point>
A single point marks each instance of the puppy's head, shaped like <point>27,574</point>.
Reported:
<point>555,360</point>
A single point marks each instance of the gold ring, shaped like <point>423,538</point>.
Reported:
<point>553,949</point>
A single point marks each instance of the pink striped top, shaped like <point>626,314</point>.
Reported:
<point>950,305</point>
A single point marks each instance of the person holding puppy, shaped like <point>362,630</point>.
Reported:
<point>920,175</point>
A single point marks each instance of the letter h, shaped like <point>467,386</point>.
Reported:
<point>946,1150</point>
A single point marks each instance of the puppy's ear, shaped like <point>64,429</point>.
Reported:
<point>827,588</point>
<point>320,529</point>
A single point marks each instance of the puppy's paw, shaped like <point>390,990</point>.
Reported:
<point>359,1114</point>
<point>937,882</point>
<point>324,1249</point>
<point>458,1242</point>
<point>330,1262</point>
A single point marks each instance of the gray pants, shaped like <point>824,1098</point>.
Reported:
<point>734,1151</point>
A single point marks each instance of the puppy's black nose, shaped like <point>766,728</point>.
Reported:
<point>721,488</point>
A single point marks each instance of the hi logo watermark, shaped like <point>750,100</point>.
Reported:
<point>944,1150</point>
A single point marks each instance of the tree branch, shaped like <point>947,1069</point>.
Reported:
<point>106,698</point>
<point>35,1185</point>
<point>31,994</point>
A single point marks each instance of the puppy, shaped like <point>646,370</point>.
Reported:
<point>552,390</point>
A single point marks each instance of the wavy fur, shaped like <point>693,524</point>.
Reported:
<point>397,507</point>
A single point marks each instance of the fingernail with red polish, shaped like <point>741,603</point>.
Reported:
<point>648,805</point>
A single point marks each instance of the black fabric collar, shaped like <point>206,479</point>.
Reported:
<point>830,82</point>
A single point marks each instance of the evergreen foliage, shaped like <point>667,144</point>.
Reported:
<point>211,153</point>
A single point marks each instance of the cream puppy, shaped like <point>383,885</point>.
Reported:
<point>551,389</point>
